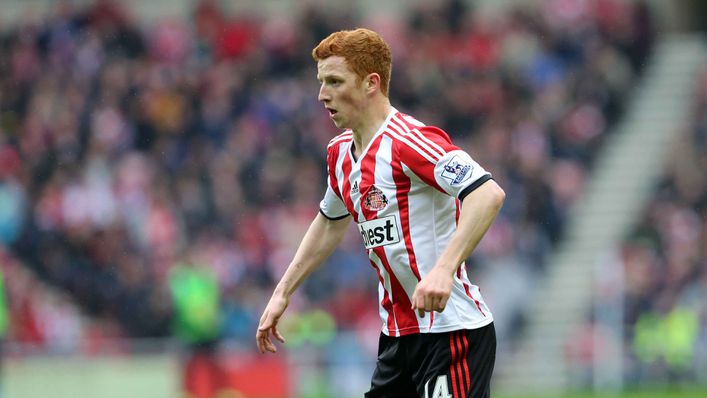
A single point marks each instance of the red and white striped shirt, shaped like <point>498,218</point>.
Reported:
<point>404,192</point>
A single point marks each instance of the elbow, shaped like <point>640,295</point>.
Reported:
<point>499,196</point>
<point>490,194</point>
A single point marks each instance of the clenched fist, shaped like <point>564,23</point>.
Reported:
<point>432,292</point>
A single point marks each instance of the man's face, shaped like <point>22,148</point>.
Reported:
<point>341,92</point>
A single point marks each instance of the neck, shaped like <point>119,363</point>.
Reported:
<point>371,120</point>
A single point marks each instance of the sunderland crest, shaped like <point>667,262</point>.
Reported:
<point>375,200</point>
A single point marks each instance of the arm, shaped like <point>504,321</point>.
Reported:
<point>478,211</point>
<point>322,237</point>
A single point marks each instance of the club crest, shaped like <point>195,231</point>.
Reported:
<point>375,200</point>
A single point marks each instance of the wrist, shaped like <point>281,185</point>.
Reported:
<point>448,268</point>
<point>281,291</point>
<point>452,269</point>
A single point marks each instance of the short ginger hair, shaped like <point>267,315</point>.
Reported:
<point>364,50</point>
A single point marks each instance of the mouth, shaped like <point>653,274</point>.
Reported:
<point>332,112</point>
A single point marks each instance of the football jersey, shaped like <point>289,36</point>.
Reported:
<point>404,193</point>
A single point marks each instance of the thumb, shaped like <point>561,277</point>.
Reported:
<point>267,322</point>
<point>414,306</point>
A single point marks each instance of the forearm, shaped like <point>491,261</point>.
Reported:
<point>478,212</point>
<point>322,237</point>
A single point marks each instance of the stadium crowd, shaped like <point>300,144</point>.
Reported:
<point>665,262</point>
<point>126,148</point>
<point>654,294</point>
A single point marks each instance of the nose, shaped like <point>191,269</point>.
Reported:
<point>323,94</point>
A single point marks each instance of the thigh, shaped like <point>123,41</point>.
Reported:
<point>456,364</point>
<point>391,379</point>
<point>481,359</point>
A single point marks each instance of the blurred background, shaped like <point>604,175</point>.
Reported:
<point>160,161</point>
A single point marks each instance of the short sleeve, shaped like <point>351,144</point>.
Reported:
<point>458,174</point>
<point>331,206</point>
<point>430,155</point>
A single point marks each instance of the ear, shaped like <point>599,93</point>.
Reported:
<point>373,83</point>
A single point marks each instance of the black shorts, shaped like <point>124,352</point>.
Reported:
<point>455,364</point>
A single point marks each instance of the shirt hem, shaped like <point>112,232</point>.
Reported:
<point>439,329</point>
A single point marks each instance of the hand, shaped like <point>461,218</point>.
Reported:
<point>268,324</point>
<point>432,292</point>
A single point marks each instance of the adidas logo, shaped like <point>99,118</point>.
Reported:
<point>354,188</point>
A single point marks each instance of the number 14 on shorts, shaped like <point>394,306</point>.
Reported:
<point>440,389</point>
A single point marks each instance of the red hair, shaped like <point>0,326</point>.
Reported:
<point>364,50</point>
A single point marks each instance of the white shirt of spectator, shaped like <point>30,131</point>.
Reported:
<point>403,192</point>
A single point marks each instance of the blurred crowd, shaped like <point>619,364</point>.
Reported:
<point>665,263</point>
<point>126,149</point>
<point>654,294</point>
